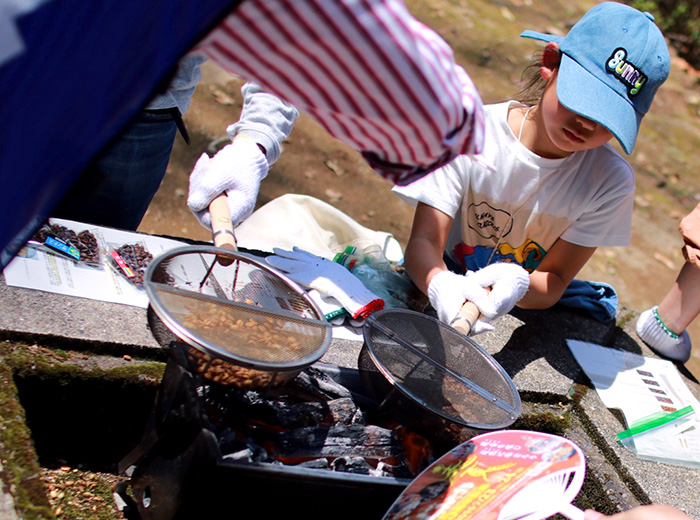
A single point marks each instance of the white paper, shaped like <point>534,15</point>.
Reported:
<point>639,387</point>
<point>34,268</point>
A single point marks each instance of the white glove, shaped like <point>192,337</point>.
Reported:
<point>448,291</point>
<point>327,277</point>
<point>329,306</point>
<point>236,170</point>
<point>508,281</point>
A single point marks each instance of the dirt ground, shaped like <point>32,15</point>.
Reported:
<point>313,163</point>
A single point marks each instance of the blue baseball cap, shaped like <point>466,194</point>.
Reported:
<point>613,61</point>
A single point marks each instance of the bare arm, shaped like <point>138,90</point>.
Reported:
<point>551,278</point>
<point>424,252</point>
<point>423,256</point>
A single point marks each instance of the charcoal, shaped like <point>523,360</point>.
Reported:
<point>318,384</point>
<point>311,422</point>
<point>391,470</point>
<point>301,415</point>
<point>354,440</point>
<point>315,464</point>
<point>352,465</point>
<point>244,455</point>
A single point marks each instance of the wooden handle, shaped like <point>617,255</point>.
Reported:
<point>468,315</point>
<point>222,227</point>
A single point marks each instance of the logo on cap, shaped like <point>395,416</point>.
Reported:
<point>633,78</point>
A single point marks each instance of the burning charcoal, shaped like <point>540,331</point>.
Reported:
<point>351,465</point>
<point>345,411</point>
<point>336,412</point>
<point>369,441</point>
<point>280,414</point>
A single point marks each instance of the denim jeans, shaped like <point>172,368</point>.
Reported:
<point>116,189</point>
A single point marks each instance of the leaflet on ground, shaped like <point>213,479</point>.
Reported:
<point>642,387</point>
<point>38,267</point>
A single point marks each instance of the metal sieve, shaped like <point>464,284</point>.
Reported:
<point>233,307</point>
<point>441,369</point>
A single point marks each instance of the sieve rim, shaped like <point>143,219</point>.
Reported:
<point>216,351</point>
<point>513,411</point>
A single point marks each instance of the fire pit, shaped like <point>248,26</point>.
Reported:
<point>316,446</point>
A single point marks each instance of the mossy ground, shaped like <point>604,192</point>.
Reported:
<point>59,492</point>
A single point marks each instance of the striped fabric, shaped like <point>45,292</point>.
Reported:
<point>372,75</point>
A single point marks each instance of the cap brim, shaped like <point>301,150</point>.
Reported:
<point>541,36</point>
<point>583,93</point>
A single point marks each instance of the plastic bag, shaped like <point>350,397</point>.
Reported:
<point>379,276</point>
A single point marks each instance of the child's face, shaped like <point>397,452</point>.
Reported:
<point>568,131</point>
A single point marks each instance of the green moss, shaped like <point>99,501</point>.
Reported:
<point>57,365</point>
<point>143,372</point>
<point>20,465</point>
<point>546,422</point>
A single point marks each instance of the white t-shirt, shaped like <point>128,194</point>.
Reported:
<point>585,198</point>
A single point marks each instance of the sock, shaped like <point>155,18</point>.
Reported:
<point>653,334</point>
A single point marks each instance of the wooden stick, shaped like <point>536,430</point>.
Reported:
<point>222,227</point>
<point>468,315</point>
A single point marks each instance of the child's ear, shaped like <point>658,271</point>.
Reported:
<point>551,58</point>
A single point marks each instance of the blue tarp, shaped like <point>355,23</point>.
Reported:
<point>83,69</point>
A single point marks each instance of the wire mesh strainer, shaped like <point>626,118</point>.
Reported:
<point>440,369</point>
<point>234,307</point>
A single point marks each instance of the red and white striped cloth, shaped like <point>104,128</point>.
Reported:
<point>370,73</point>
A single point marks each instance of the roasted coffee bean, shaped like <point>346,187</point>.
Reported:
<point>137,258</point>
<point>84,241</point>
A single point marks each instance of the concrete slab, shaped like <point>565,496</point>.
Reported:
<point>647,480</point>
<point>32,313</point>
<point>530,345</point>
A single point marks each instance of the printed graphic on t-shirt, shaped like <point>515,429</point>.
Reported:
<point>495,226</point>
<point>529,255</point>
<point>488,221</point>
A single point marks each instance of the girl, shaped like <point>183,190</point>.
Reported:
<point>548,189</point>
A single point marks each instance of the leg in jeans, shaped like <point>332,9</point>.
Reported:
<point>116,189</point>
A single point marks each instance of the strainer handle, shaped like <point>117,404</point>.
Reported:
<point>222,227</point>
<point>466,318</point>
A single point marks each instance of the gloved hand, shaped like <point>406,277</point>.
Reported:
<point>236,170</point>
<point>327,277</point>
<point>508,281</point>
<point>448,291</point>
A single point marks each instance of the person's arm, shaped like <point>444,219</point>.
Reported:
<point>554,274</point>
<point>266,119</point>
<point>368,72</point>
<point>238,168</point>
<point>494,289</point>
<point>426,244</point>
<point>648,512</point>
